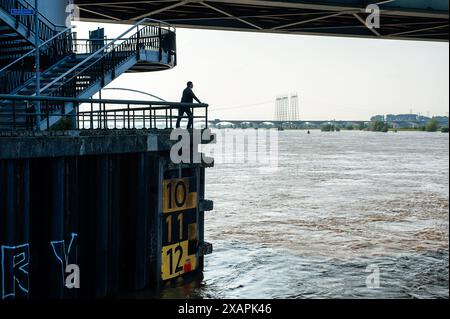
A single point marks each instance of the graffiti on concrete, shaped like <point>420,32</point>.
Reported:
<point>15,277</point>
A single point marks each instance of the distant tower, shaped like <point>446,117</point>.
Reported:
<point>281,108</point>
<point>287,109</point>
<point>285,106</point>
<point>278,108</point>
<point>293,108</point>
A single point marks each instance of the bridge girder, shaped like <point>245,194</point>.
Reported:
<point>400,19</point>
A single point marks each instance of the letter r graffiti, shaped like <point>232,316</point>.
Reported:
<point>14,264</point>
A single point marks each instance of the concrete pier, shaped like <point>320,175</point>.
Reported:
<point>107,203</point>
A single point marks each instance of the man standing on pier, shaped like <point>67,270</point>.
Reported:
<point>188,97</point>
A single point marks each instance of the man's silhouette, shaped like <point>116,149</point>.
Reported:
<point>188,97</point>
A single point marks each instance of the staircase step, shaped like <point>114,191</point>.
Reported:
<point>14,52</point>
<point>18,45</point>
<point>8,32</point>
<point>22,46</point>
<point>9,37</point>
<point>5,47</point>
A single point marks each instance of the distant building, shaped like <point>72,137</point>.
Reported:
<point>390,118</point>
<point>377,118</point>
<point>424,119</point>
<point>402,118</point>
<point>398,125</point>
<point>409,120</point>
<point>413,125</point>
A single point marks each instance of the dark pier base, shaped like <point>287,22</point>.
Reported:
<point>92,201</point>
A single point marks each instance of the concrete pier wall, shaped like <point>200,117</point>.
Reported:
<point>97,202</point>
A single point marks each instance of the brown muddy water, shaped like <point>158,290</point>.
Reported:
<point>339,206</point>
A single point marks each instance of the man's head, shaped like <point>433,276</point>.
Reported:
<point>190,85</point>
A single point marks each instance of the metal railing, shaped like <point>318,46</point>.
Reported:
<point>149,41</point>
<point>20,71</point>
<point>46,28</point>
<point>106,59</point>
<point>18,113</point>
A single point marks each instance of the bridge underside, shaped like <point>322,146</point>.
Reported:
<point>400,19</point>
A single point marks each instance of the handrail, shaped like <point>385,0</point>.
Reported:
<point>110,59</point>
<point>83,46</point>
<point>15,61</point>
<point>22,72</point>
<point>34,50</point>
<point>106,101</point>
<point>123,114</point>
<point>47,27</point>
<point>101,50</point>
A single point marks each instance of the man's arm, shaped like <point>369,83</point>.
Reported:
<point>195,98</point>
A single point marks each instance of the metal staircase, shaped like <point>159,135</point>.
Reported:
<point>81,68</point>
<point>12,45</point>
<point>17,33</point>
<point>25,24</point>
<point>149,48</point>
<point>20,71</point>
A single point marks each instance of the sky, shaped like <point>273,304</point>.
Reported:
<point>240,74</point>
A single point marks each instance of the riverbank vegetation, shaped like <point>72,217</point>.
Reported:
<point>330,128</point>
<point>380,126</point>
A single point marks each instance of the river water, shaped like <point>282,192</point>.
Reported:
<point>344,212</point>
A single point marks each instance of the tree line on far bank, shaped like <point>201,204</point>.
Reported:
<point>381,126</point>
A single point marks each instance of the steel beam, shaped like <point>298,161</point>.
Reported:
<point>230,15</point>
<point>146,15</point>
